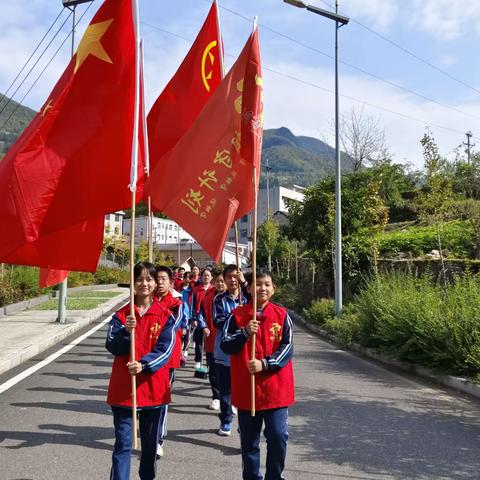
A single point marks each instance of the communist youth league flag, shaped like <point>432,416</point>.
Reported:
<point>187,92</point>
<point>214,160</point>
<point>73,162</point>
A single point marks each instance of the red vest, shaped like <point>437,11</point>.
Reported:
<point>153,389</point>
<point>170,302</point>
<point>198,296</point>
<point>272,389</point>
<point>208,309</point>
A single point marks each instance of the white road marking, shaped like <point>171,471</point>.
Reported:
<point>21,376</point>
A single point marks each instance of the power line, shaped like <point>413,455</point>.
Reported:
<point>31,56</point>
<point>408,52</point>
<point>35,64</point>
<point>359,69</point>
<point>319,87</point>
<point>46,66</point>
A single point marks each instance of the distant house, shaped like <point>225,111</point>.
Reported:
<point>114,224</point>
<point>276,206</point>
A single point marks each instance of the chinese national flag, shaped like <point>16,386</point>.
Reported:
<point>188,91</point>
<point>73,162</point>
<point>213,162</point>
<point>48,278</point>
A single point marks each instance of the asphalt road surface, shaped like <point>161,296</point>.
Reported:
<point>353,420</point>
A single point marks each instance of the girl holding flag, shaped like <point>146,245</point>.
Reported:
<point>154,342</point>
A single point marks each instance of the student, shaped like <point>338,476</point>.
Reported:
<point>223,305</point>
<point>154,341</point>
<point>197,302</point>
<point>206,314</point>
<point>272,367</point>
<point>178,280</point>
<point>196,279</point>
<point>186,293</point>
<point>175,305</point>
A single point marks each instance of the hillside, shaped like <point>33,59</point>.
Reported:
<point>292,159</point>
<point>297,160</point>
<point>15,126</point>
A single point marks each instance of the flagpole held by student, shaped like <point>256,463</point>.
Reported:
<point>210,335</point>
<point>171,300</point>
<point>154,343</point>
<point>223,305</point>
<point>272,367</point>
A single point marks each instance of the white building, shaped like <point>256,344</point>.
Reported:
<point>276,204</point>
<point>113,225</point>
<point>188,254</point>
<point>164,231</point>
<point>171,239</point>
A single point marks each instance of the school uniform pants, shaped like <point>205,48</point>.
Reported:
<point>225,391</point>
<point>198,339</point>
<point>276,434</point>
<point>212,376</point>
<point>122,450</point>
<point>162,420</point>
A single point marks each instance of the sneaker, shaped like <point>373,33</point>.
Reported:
<point>234,410</point>
<point>215,405</point>
<point>160,451</point>
<point>225,429</point>
<point>197,365</point>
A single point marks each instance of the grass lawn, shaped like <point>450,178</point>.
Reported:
<point>94,293</point>
<point>72,304</point>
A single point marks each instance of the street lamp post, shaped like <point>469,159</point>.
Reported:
<point>340,20</point>
<point>62,293</point>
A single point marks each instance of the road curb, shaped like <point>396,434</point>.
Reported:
<point>456,383</point>
<point>65,330</point>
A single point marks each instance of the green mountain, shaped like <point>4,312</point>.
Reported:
<point>293,160</point>
<point>18,118</point>
<point>297,160</point>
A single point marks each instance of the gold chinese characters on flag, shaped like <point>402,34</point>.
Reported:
<point>213,162</point>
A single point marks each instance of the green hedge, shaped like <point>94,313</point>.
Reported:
<point>414,320</point>
<point>457,237</point>
<point>21,283</point>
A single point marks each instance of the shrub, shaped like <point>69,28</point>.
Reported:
<point>320,311</point>
<point>417,321</point>
<point>457,237</point>
<point>105,275</point>
<point>347,327</point>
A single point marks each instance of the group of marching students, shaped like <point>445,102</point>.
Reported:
<point>214,309</point>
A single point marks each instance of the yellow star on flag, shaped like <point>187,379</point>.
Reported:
<point>91,45</point>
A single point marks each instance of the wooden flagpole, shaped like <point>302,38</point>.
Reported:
<point>237,259</point>
<point>132,313</point>
<point>133,187</point>
<point>150,230</point>
<point>254,282</point>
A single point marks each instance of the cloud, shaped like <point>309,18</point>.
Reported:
<point>377,14</point>
<point>445,19</point>
<point>307,110</point>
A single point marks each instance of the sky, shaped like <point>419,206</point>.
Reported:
<point>407,64</point>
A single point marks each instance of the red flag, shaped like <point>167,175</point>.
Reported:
<point>48,277</point>
<point>72,163</point>
<point>213,162</point>
<point>187,92</point>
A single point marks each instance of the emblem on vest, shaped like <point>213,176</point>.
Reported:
<point>275,331</point>
<point>155,329</point>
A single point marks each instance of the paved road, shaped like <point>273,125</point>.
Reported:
<point>353,421</point>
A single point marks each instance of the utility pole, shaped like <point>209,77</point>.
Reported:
<point>469,146</point>
<point>267,169</point>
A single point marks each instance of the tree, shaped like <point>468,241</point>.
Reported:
<point>268,237</point>
<point>362,138</point>
<point>436,198</point>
